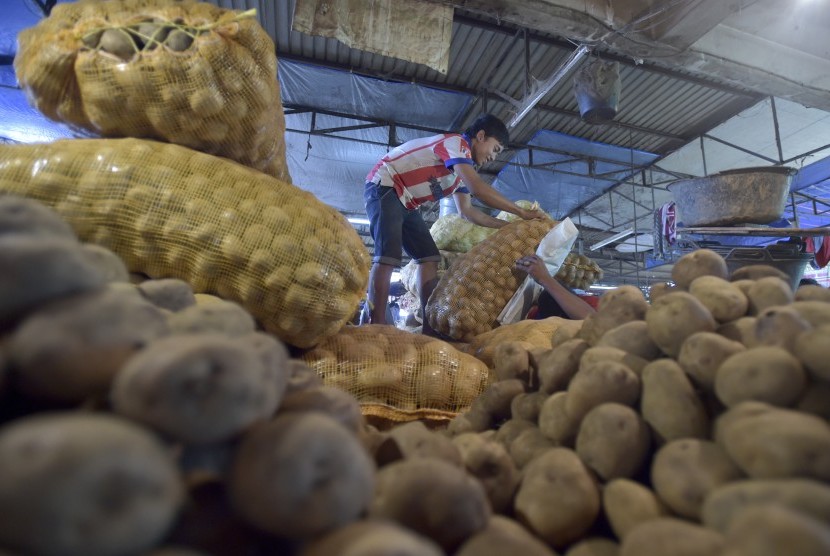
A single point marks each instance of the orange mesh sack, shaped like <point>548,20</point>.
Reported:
<point>397,375</point>
<point>293,262</point>
<point>579,271</point>
<point>185,72</point>
<point>474,290</point>
<point>532,333</point>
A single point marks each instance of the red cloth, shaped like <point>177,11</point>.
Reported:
<point>823,253</point>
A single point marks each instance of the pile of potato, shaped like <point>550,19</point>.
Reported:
<point>579,271</point>
<point>143,419</point>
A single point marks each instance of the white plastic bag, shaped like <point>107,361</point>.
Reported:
<point>553,249</point>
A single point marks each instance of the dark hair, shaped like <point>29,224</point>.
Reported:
<point>492,126</point>
<point>808,282</point>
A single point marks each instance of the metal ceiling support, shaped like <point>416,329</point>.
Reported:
<point>777,130</point>
<point>734,146</point>
<point>544,88</point>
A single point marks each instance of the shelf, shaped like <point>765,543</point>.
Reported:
<point>757,232</point>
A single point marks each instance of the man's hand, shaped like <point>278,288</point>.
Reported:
<point>528,214</point>
<point>534,266</point>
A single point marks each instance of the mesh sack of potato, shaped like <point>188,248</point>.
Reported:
<point>293,262</point>
<point>452,232</point>
<point>409,273</point>
<point>579,271</point>
<point>399,376</point>
<point>532,333</point>
<point>185,72</point>
<point>472,293</point>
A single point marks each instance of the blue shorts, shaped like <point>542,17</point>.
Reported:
<point>395,229</point>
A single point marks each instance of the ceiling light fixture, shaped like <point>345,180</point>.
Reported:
<point>544,88</point>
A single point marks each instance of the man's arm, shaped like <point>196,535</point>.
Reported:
<point>469,212</point>
<point>571,303</point>
<point>488,195</point>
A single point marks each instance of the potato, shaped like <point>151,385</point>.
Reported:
<point>558,498</point>
<point>817,313</point>
<point>72,349</point>
<point>633,338</point>
<point>596,546</point>
<point>613,441</point>
<point>41,269</point>
<point>603,381</point>
<point>765,374</point>
<point>511,360</point>
<point>510,430</point>
<point>813,400</point>
<point>668,536</point>
<point>198,389</point>
<point>325,478</point>
<point>659,289</point>
<point>496,398</point>
<point>767,442</point>
<point>724,503</point>
<point>724,300</point>
<point>455,509</point>
<point>702,262</point>
<point>756,272</point>
<point>168,293</point>
<point>371,537</point>
<point>768,292</point>
<point>527,445</point>
<point>82,484</point>
<point>771,530</point>
<point>414,440</point>
<point>556,423</point>
<point>110,265</point>
<point>813,349</point>
<point>503,536</point>
<point>21,215</point>
<point>619,306</point>
<point>474,420</point>
<point>226,317</point>
<point>489,462</point>
<point>300,377</point>
<point>608,353</point>
<point>527,406</point>
<point>685,471</point>
<point>741,330</point>
<point>701,355</point>
<point>557,366</point>
<point>669,403</point>
<point>334,402</point>
<point>627,503</point>
<point>676,316</point>
<point>812,293</point>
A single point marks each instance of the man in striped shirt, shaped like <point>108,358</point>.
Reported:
<point>426,170</point>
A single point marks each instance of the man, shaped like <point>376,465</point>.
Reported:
<point>556,300</point>
<point>424,170</point>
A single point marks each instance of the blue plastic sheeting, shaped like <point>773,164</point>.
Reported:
<point>19,121</point>
<point>17,15</point>
<point>340,91</point>
<point>559,181</point>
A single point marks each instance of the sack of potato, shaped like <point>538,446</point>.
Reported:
<point>531,334</point>
<point>295,263</point>
<point>399,376</point>
<point>579,271</point>
<point>184,72</point>
<point>472,293</point>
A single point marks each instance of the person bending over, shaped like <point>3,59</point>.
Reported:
<point>424,170</point>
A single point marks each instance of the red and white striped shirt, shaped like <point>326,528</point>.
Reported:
<point>422,169</point>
